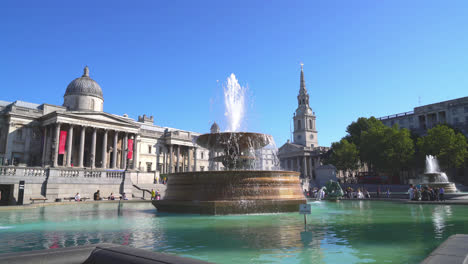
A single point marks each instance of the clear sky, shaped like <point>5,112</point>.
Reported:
<point>170,58</point>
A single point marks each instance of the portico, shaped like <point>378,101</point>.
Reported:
<point>88,139</point>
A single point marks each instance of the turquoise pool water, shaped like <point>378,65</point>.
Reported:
<point>344,232</point>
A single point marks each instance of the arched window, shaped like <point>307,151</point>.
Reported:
<point>310,123</point>
<point>298,124</point>
<point>92,104</point>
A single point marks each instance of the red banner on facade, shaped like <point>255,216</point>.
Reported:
<point>130,149</point>
<point>62,142</point>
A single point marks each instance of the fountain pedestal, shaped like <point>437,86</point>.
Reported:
<point>232,192</point>
<point>235,190</point>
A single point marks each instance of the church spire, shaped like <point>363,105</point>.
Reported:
<point>303,97</point>
<point>303,89</point>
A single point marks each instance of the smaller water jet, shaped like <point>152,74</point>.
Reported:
<point>434,178</point>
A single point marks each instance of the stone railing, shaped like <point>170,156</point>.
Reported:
<point>92,174</point>
<point>68,173</point>
<point>35,172</point>
<point>115,174</point>
<point>7,171</point>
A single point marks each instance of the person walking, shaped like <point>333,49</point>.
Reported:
<point>153,194</point>
<point>441,194</point>
<point>411,192</point>
<point>388,192</point>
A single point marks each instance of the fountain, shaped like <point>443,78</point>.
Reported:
<point>237,189</point>
<point>434,178</point>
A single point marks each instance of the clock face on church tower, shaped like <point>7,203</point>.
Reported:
<point>312,136</point>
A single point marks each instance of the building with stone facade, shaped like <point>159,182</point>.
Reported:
<point>303,154</point>
<point>452,112</point>
<point>77,147</point>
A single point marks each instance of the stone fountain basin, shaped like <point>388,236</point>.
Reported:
<point>232,192</point>
<point>241,140</point>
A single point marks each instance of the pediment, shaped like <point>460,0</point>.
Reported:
<point>288,148</point>
<point>100,117</point>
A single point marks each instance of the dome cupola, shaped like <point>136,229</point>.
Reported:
<point>84,93</point>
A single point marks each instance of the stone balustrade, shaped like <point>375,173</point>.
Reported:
<point>58,173</point>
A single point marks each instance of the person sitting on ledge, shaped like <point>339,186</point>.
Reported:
<point>124,197</point>
<point>97,196</point>
<point>77,197</point>
<point>111,197</point>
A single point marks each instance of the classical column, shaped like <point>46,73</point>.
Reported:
<point>93,149</point>
<point>298,164</point>
<point>124,151</point>
<point>217,163</point>
<point>82,143</point>
<point>189,163</point>
<point>44,146</point>
<point>195,159</point>
<point>178,158</point>
<point>158,152</point>
<point>114,150</point>
<point>164,166</point>
<point>135,152</point>
<point>104,150</point>
<point>171,150</point>
<point>311,167</point>
<point>69,145</point>
<point>57,139</point>
<point>304,166</point>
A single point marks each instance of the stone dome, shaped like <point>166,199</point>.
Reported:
<point>214,128</point>
<point>84,86</point>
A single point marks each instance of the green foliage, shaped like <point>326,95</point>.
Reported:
<point>387,149</point>
<point>448,146</point>
<point>363,124</point>
<point>344,155</point>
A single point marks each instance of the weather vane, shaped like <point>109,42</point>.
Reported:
<point>302,66</point>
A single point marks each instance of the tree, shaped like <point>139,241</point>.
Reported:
<point>386,149</point>
<point>449,147</point>
<point>344,156</point>
<point>363,124</point>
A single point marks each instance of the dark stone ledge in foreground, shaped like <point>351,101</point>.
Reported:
<point>94,254</point>
<point>453,251</point>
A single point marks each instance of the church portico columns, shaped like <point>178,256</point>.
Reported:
<point>56,145</point>
<point>93,148</point>
<point>304,166</point>
<point>104,150</point>
<point>114,150</point>
<point>195,159</point>
<point>135,155</point>
<point>171,152</point>
<point>124,151</point>
<point>298,164</point>
<point>189,163</point>
<point>178,158</point>
<point>69,145</point>
<point>44,146</point>
<point>82,143</point>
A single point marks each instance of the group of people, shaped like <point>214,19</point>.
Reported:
<point>111,197</point>
<point>155,195</point>
<point>350,193</point>
<point>425,193</point>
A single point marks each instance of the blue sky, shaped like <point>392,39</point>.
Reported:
<point>170,58</point>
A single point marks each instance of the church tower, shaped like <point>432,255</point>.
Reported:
<point>305,132</point>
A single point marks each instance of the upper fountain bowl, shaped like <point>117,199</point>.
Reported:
<point>241,140</point>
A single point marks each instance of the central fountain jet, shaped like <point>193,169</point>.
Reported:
<point>238,189</point>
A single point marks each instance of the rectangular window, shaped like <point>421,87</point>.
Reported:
<point>466,109</point>
<point>149,149</point>
<point>466,119</point>
<point>202,168</point>
<point>455,120</point>
<point>148,166</point>
<point>454,111</point>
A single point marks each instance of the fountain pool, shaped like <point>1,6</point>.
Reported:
<point>345,232</point>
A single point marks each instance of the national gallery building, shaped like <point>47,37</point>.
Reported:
<point>78,140</point>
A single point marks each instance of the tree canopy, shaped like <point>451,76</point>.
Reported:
<point>448,146</point>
